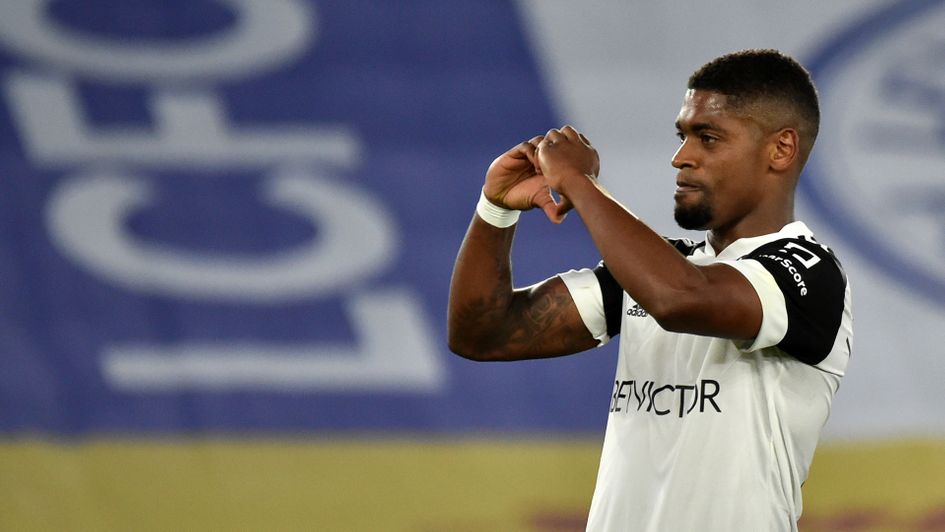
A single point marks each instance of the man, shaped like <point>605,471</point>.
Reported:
<point>731,349</point>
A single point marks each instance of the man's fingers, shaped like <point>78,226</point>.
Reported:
<point>546,202</point>
<point>571,133</point>
<point>526,150</point>
<point>549,207</point>
<point>563,208</point>
<point>552,136</point>
<point>532,153</point>
<point>522,150</point>
<point>566,132</point>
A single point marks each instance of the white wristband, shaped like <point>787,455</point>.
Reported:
<point>495,215</point>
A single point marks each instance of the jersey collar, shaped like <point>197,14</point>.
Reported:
<point>743,246</point>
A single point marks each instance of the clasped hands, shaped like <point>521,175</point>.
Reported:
<point>524,177</point>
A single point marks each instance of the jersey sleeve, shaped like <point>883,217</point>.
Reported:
<point>801,287</point>
<point>598,298</point>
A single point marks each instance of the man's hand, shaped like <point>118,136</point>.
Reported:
<point>566,154</point>
<point>514,182</point>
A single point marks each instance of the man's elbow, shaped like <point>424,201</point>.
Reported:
<point>467,347</point>
<point>672,317</point>
<point>672,324</point>
<point>464,350</point>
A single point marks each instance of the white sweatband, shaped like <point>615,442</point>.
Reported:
<point>495,215</point>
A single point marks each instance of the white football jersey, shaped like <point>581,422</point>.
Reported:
<point>705,434</point>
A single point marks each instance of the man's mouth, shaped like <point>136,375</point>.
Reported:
<point>683,186</point>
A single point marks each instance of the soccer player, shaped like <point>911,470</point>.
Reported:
<point>731,349</point>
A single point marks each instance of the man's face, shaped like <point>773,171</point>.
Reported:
<point>721,161</point>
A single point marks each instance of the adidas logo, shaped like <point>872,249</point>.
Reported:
<point>637,311</point>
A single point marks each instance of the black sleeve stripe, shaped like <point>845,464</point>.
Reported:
<point>813,284</point>
<point>613,298</point>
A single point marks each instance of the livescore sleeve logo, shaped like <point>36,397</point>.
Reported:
<point>107,180</point>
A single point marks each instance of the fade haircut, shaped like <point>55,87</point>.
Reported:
<point>769,86</point>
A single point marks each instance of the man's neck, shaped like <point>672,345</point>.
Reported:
<point>721,238</point>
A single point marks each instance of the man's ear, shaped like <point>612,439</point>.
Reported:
<point>785,149</point>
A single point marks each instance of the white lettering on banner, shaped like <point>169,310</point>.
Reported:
<point>190,130</point>
<point>395,352</point>
<point>264,35</point>
<point>86,219</point>
<point>88,209</point>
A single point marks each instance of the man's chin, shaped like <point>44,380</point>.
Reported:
<point>695,218</point>
<point>691,227</point>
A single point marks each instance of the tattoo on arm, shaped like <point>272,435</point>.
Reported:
<point>536,322</point>
<point>490,320</point>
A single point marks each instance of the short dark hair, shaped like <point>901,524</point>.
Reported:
<point>768,77</point>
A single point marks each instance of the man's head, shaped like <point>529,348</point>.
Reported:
<point>771,87</point>
<point>747,125</point>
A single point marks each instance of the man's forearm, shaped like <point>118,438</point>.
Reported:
<point>489,319</point>
<point>642,262</point>
<point>481,286</point>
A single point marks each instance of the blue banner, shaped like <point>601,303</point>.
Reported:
<point>229,216</point>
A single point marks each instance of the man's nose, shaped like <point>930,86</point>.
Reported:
<point>683,158</point>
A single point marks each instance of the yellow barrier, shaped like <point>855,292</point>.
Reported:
<point>415,485</point>
<point>894,486</point>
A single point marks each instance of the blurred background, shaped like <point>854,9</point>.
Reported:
<point>227,229</point>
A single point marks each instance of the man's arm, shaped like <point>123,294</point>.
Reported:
<point>714,300</point>
<point>488,319</point>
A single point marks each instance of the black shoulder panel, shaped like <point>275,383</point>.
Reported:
<point>813,284</point>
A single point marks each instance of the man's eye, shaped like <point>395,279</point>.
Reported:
<point>681,137</point>
<point>707,139</point>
